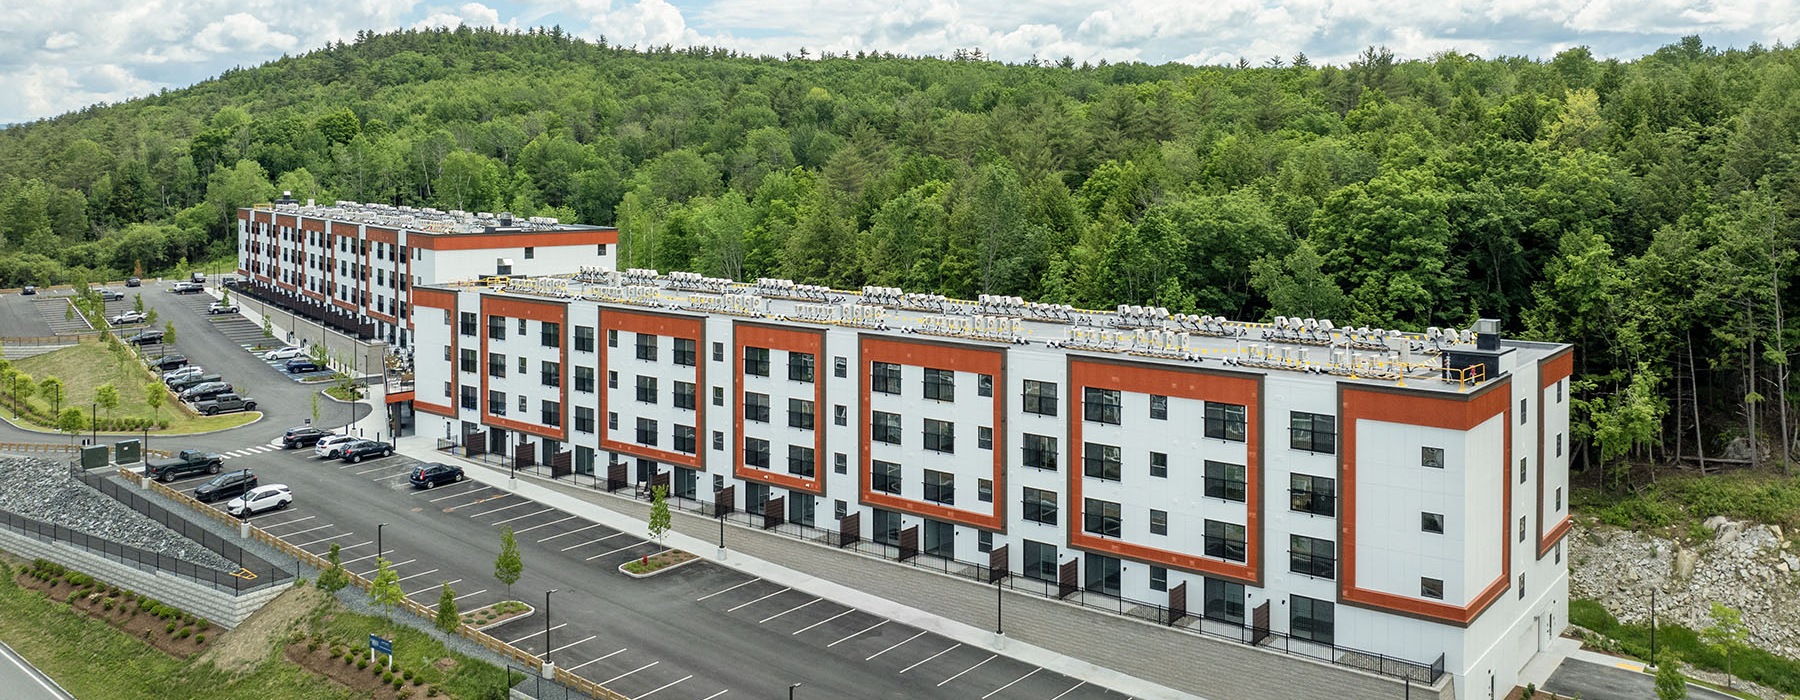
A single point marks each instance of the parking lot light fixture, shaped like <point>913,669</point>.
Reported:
<point>378,528</point>
<point>547,624</point>
<point>791,690</point>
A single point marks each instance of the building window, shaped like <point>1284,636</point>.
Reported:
<point>1039,561</point>
<point>1432,523</point>
<point>718,396</point>
<point>550,374</point>
<point>940,385</point>
<point>940,436</point>
<point>800,414</point>
<point>1223,601</point>
<point>612,379</point>
<point>612,339</point>
<point>584,339</point>
<point>684,439</point>
<point>1100,405</point>
<point>1558,507</point>
<point>530,253</point>
<point>467,360</point>
<point>756,453</point>
<point>497,327</point>
<point>1040,506</point>
<point>646,389</point>
<point>984,385</point>
<point>984,438</point>
<point>1312,432</point>
<point>1159,465</point>
<point>1159,578</point>
<point>1559,386</point>
<point>884,427</point>
<point>1558,553</point>
<point>646,347</point>
<point>521,321</point>
<point>1521,528</point>
<point>718,352</point>
<point>718,440</point>
<point>584,419</point>
<point>800,461</point>
<point>1159,407</point>
<point>840,367</point>
<point>1521,586</point>
<point>756,407</point>
<point>684,395</point>
<point>1100,517</point>
<point>584,379</point>
<point>800,366</point>
<point>756,362</point>
<point>1523,461</point>
<point>1312,620</point>
<point>684,352</point>
<point>497,402</point>
<point>1101,461</point>
<point>1559,444</point>
<point>466,323</point>
<point>1522,410</point>
<point>984,541</point>
<point>550,334</point>
<point>1225,480</point>
<point>1432,588</point>
<point>1225,421</point>
<point>884,476</point>
<point>496,364</point>
<point>468,394</point>
<point>940,487</point>
<point>522,364</point>
<point>1102,573</point>
<point>1040,451</point>
<point>646,431</point>
<point>886,527</point>
<point>551,414</point>
<point>840,414</point>
<point>884,378</point>
<point>1431,457</point>
<point>984,490</point>
<point>1311,556</point>
<point>840,463</point>
<point>1040,397</point>
<point>1224,540</point>
<point>939,539</point>
<point>612,420</point>
<point>1159,522</point>
<point>1313,494</point>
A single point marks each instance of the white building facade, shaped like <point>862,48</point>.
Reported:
<point>1344,490</point>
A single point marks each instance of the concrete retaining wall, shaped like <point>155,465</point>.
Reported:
<point>221,607</point>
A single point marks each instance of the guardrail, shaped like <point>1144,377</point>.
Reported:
<point>32,447</point>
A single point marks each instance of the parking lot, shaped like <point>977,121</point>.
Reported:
<point>428,527</point>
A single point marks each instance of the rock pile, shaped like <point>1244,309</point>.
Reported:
<point>45,491</point>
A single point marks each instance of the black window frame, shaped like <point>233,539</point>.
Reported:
<point>1040,397</point>
<point>1103,518</point>
<point>885,476</point>
<point>647,389</point>
<point>1316,495</point>
<point>1040,506</point>
<point>1102,461</point>
<point>756,361</point>
<point>940,384</point>
<point>756,452</point>
<point>1039,452</point>
<point>1220,482</point>
<point>1219,542</point>
<point>647,431</point>
<point>756,407</point>
<point>940,436</point>
<point>1431,523</point>
<point>1431,457</point>
<point>584,379</point>
<point>1159,522</point>
<point>884,427</point>
<point>682,438</point>
<point>940,487</point>
<point>584,419</point>
<point>802,461</point>
<point>885,378</point>
<point>549,334</point>
<point>1159,465</point>
<point>1159,407</point>
<point>686,395</point>
<point>1225,421</point>
<point>1312,556</point>
<point>645,344</point>
<point>800,414</point>
<point>801,366</point>
<point>1306,434</point>
<point>1312,620</point>
<point>686,352</point>
<point>1104,406</point>
<point>584,339</point>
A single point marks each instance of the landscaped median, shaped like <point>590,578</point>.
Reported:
<point>105,381</point>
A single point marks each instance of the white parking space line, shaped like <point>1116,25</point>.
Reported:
<point>966,670</point>
<point>598,539</point>
<point>571,532</point>
<point>371,471</point>
<point>1009,685</point>
<point>789,610</point>
<point>298,532</point>
<point>728,590</point>
<point>714,695</point>
<point>759,600</point>
<point>536,633</point>
<point>454,495</point>
<point>1070,690</point>
<point>371,572</point>
<point>465,595</point>
<point>627,673</point>
<point>916,663</point>
<point>391,476</point>
<point>576,667</point>
<point>422,573</point>
<point>621,549</point>
<point>653,692</point>
<point>290,522</point>
<point>852,636</point>
<point>565,646</point>
<point>327,539</point>
<point>821,622</point>
<point>534,527</point>
<point>427,588</point>
<point>522,517</point>
<point>501,508</point>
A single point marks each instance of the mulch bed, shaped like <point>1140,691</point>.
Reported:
<point>364,682</point>
<point>126,615</point>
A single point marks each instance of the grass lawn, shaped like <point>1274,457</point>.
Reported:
<point>1675,503</point>
<point>84,367</point>
<point>93,660</point>
<point>1753,664</point>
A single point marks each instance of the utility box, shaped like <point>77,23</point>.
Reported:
<point>128,451</point>
<point>93,456</point>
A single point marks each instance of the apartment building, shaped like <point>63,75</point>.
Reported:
<point>1359,491</point>
<point>355,265</point>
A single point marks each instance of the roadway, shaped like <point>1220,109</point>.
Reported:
<point>23,681</point>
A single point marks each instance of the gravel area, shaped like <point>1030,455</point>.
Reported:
<point>44,490</point>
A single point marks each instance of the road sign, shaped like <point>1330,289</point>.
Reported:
<point>385,646</point>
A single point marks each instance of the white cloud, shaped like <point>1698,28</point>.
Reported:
<point>243,32</point>
<point>471,14</point>
<point>62,41</point>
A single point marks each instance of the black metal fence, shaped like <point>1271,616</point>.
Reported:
<point>304,307</point>
<point>526,681</point>
<point>235,582</point>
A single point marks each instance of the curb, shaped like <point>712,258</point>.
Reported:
<point>259,418</point>
<point>692,558</point>
<point>334,399</point>
<point>529,611</point>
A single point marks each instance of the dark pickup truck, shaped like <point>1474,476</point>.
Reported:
<point>182,464</point>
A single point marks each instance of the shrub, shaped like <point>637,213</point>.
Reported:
<point>387,676</point>
<point>184,633</point>
<point>169,628</point>
<point>80,580</point>
<point>407,674</point>
<point>398,682</point>
<point>349,658</point>
<point>107,605</point>
<point>362,662</point>
<point>431,692</point>
<point>201,624</point>
<point>199,639</point>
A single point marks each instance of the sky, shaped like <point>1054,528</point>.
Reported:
<point>58,56</point>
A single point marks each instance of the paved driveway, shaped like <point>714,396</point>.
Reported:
<point>1592,681</point>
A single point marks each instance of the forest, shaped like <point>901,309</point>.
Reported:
<point>1643,210</point>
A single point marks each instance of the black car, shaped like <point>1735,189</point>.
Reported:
<point>191,381</point>
<point>298,365</point>
<point>134,282</point>
<point>225,486</point>
<point>431,474</point>
<point>28,290</point>
<point>301,436</point>
<point>356,451</point>
<point>169,362</point>
<point>205,391</point>
<point>145,337</point>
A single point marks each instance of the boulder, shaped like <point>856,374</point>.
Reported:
<point>1714,523</point>
<point>1685,559</point>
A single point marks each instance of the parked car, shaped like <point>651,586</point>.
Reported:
<point>360,449</point>
<point>28,290</point>
<point>431,474</point>
<point>225,485</point>
<point>332,446</point>
<point>186,288</point>
<point>134,282</point>
<point>182,464</point>
<point>186,383</point>
<point>220,307</point>
<point>169,362</point>
<point>288,353</point>
<point>205,391</point>
<point>259,499</point>
<point>301,364</point>
<point>183,373</point>
<point>129,317</point>
<point>224,403</point>
<point>146,337</point>
<point>301,436</point>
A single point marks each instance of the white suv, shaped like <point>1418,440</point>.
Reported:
<point>261,498</point>
<point>332,446</point>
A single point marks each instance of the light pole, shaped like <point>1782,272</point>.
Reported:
<point>378,542</point>
<point>547,625</point>
<point>94,423</point>
<point>999,608</point>
<point>791,690</point>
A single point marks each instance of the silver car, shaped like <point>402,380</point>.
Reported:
<point>259,499</point>
<point>332,446</point>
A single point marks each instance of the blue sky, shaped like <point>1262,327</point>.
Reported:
<point>60,55</point>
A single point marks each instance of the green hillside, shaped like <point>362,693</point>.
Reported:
<point>1642,209</point>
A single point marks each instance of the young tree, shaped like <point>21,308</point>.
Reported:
<point>150,318</point>
<point>51,388</point>
<point>107,396</point>
<point>1726,634</point>
<point>268,329</point>
<point>315,408</point>
<point>448,619</point>
<point>23,386</point>
<point>137,303</point>
<point>385,589</point>
<point>659,512</point>
<point>169,333</point>
<point>334,579</point>
<point>71,422</point>
<point>1670,683</point>
<point>508,565</point>
<point>154,396</point>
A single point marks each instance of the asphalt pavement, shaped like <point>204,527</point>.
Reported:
<point>23,681</point>
<point>1580,678</point>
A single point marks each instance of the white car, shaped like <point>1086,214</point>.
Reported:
<point>259,499</point>
<point>183,373</point>
<point>332,446</point>
<point>288,353</point>
<point>129,317</point>
<point>219,307</point>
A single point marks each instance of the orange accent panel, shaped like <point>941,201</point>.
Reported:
<point>313,294</point>
<point>938,355</point>
<point>315,225</point>
<point>523,427</point>
<point>434,409</point>
<point>382,235</point>
<point>1556,369</point>
<point>793,340</point>
<point>536,310</point>
<point>1407,407</point>
<point>434,298</point>
<point>286,220</point>
<point>690,327</point>
<point>400,397</point>
<point>347,306</point>
<point>522,307</point>
<point>1196,384</point>
<point>522,239</point>
<point>380,316</point>
<point>1550,372</point>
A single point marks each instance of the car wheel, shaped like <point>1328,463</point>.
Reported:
<point>430,484</point>
<point>166,477</point>
<point>250,406</point>
<point>354,459</point>
<point>459,477</point>
<point>282,505</point>
<point>387,453</point>
<point>214,469</point>
<point>212,410</point>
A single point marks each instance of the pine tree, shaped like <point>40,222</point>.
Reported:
<point>334,579</point>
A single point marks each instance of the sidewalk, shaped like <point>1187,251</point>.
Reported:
<point>610,511</point>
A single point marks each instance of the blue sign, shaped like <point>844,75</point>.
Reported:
<point>385,646</point>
